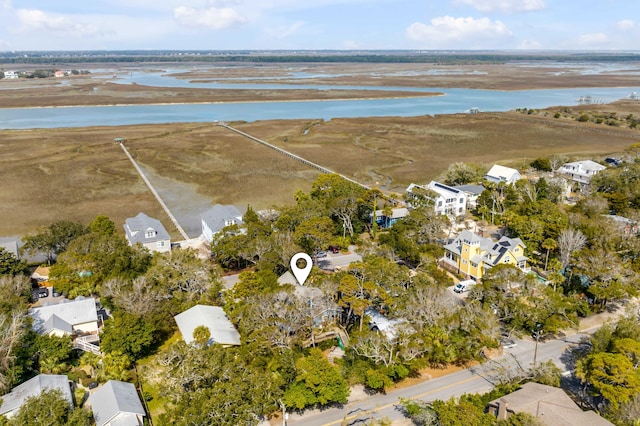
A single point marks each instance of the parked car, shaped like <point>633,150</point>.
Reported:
<point>321,254</point>
<point>41,292</point>
<point>463,286</point>
<point>334,249</point>
<point>508,343</point>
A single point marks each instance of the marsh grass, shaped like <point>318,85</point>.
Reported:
<point>77,174</point>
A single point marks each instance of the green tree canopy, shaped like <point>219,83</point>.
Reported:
<point>317,382</point>
<point>49,409</point>
<point>128,334</point>
<point>53,239</point>
<point>10,264</point>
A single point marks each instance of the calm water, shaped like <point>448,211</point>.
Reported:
<point>454,101</point>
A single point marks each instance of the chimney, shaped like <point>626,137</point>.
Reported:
<point>502,410</point>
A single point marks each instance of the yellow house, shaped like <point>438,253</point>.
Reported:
<point>473,255</point>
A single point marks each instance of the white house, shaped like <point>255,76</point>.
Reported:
<point>69,317</point>
<point>117,404</point>
<point>11,75</point>
<point>147,231</point>
<point>447,200</point>
<point>214,318</point>
<point>15,399</point>
<point>500,173</point>
<point>581,171</point>
<point>217,217</point>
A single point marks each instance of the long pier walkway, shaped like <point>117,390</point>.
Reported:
<point>155,193</point>
<point>291,155</point>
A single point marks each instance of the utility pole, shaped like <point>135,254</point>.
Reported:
<point>284,413</point>
<point>537,336</point>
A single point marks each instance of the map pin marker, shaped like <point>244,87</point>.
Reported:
<point>301,274</point>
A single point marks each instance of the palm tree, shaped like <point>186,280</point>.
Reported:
<point>548,244</point>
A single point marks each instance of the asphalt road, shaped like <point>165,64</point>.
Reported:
<point>341,260</point>
<point>477,379</point>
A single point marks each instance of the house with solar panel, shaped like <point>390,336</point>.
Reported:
<point>472,255</point>
<point>147,231</point>
<point>117,403</point>
<point>446,199</point>
<point>221,329</point>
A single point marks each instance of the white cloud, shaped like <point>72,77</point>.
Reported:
<point>625,24</point>
<point>529,45</point>
<point>6,4</point>
<point>590,40</point>
<point>463,33</point>
<point>351,45</point>
<point>216,18</point>
<point>509,6</point>
<point>33,19</point>
<point>284,31</point>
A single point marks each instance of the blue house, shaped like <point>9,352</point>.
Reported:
<point>385,221</point>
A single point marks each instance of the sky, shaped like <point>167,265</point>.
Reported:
<point>594,25</point>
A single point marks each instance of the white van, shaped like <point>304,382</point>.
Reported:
<point>463,286</point>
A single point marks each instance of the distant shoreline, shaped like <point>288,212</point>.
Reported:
<point>225,102</point>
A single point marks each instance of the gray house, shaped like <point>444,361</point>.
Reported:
<point>12,401</point>
<point>117,404</point>
<point>78,316</point>
<point>548,404</point>
<point>217,217</point>
<point>147,231</point>
<point>11,246</point>
<point>214,318</point>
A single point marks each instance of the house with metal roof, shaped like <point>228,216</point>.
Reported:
<point>147,231</point>
<point>581,171</point>
<point>214,318</point>
<point>472,192</point>
<point>68,317</point>
<point>217,217</point>
<point>10,246</point>
<point>548,404</point>
<point>387,219</point>
<point>446,199</point>
<point>117,404</point>
<point>499,173</point>
<point>33,387</point>
<point>473,255</point>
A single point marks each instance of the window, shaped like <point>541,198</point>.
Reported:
<point>516,250</point>
<point>464,262</point>
<point>475,265</point>
<point>461,200</point>
<point>229,222</point>
<point>150,234</point>
<point>439,203</point>
<point>160,243</point>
